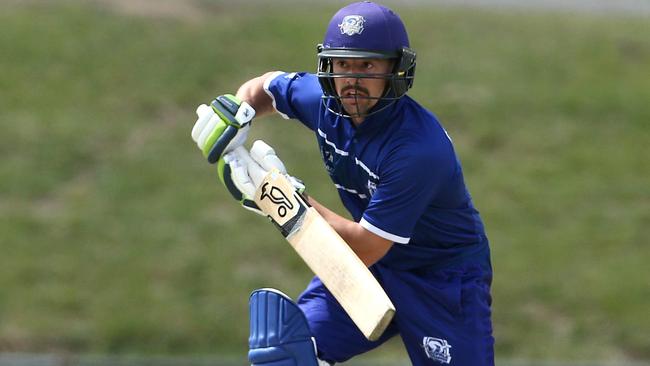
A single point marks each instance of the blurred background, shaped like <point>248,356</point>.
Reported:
<point>118,245</point>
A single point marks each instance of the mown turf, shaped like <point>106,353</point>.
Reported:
<point>116,236</point>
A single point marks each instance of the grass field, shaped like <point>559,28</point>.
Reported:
<point>117,238</point>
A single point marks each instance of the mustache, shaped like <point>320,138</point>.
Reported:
<point>355,87</point>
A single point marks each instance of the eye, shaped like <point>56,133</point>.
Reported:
<point>342,64</point>
<point>368,65</point>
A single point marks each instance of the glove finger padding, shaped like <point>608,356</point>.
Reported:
<point>255,171</point>
<point>213,128</point>
<point>204,113</point>
<point>266,157</point>
<point>239,172</point>
<point>233,173</point>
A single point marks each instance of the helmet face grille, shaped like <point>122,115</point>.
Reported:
<point>399,81</point>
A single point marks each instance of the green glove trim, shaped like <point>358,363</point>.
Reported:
<point>234,99</point>
<point>226,107</point>
<point>224,176</point>
<point>214,136</point>
<point>221,166</point>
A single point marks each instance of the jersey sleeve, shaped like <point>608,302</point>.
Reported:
<point>409,179</point>
<point>295,96</point>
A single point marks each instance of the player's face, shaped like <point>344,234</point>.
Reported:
<point>354,92</point>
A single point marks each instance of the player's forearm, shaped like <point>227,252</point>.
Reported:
<point>252,92</point>
<point>367,246</point>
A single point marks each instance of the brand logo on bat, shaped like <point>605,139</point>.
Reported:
<point>275,195</point>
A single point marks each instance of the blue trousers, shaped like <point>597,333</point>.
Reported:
<point>443,316</point>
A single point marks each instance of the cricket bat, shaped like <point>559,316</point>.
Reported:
<point>326,254</point>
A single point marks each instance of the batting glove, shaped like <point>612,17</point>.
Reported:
<point>233,171</point>
<point>242,172</point>
<point>264,155</point>
<point>222,127</point>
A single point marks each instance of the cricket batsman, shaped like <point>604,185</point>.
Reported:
<point>394,166</point>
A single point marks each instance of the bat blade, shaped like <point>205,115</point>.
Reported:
<point>327,255</point>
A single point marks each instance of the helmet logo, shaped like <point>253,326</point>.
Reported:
<point>352,24</point>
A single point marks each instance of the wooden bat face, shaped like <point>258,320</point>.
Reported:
<point>327,254</point>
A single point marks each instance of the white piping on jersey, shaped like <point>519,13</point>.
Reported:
<point>353,191</point>
<point>266,86</point>
<point>364,167</point>
<point>386,235</point>
<point>449,137</point>
<point>345,153</point>
<point>336,149</point>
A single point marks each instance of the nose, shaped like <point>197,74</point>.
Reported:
<point>354,80</point>
<point>350,81</point>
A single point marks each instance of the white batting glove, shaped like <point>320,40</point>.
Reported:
<point>242,172</point>
<point>222,126</point>
<point>264,155</point>
<point>233,173</point>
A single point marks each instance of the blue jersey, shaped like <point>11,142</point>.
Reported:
<point>397,174</point>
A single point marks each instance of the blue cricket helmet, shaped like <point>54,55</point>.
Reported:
<point>367,30</point>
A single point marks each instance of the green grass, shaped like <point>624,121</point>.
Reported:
<point>116,236</point>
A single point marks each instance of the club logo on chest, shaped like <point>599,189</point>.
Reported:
<point>328,159</point>
<point>372,187</point>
